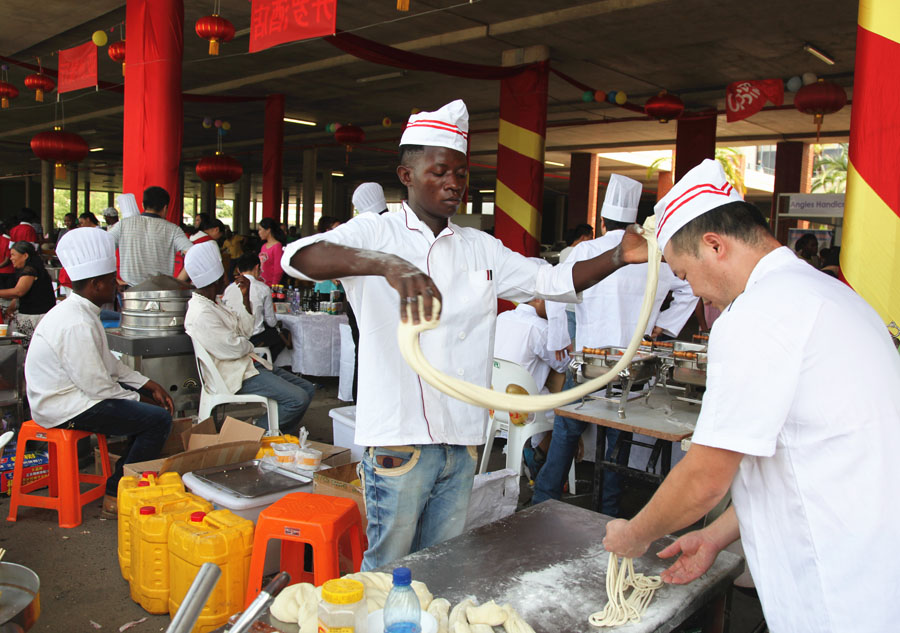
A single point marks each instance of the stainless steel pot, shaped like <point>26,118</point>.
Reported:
<point>21,604</point>
<point>155,307</point>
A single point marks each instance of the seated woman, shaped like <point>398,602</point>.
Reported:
<point>32,296</point>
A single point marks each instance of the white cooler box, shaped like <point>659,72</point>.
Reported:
<point>343,426</point>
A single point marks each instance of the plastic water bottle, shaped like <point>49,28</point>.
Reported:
<point>295,301</point>
<point>402,612</point>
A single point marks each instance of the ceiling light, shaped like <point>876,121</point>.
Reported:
<point>337,174</point>
<point>485,191</point>
<point>298,121</point>
<point>381,77</point>
<point>554,163</point>
<point>96,149</point>
<point>815,52</point>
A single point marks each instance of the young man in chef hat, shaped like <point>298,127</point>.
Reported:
<point>421,444</point>
<point>608,315</point>
<point>73,380</point>
<point>809,462</point>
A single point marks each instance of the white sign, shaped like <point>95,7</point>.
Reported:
<point>816,204</point>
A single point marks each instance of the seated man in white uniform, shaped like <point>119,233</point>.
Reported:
<point>811,465</point>
<point>225,332</point>
<point>420,461</point>
<point>265,325</point>
<point>608,316</point>
<point>73,380</point>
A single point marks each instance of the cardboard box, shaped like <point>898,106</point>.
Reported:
<point>203,447</point>
<point>331,455</point>
<point>173,445</point>
<point>338,482</point>
<point>30,474</point>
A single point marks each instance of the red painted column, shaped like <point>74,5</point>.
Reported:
<point>793,174</point>
<point>153,119</point>
<point>273,150</point>
<point>583,190</point>
<point>695,140</point>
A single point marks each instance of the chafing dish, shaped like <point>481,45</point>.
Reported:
<point>684,369</point>
<point>594,362</point>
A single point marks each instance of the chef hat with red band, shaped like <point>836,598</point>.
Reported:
<point>446,127</point>
<point>700,190</point>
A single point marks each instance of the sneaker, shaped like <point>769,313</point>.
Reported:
<point>110,508</point>
<point>534,460</point>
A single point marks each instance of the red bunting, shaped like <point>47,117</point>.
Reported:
<point>746,98</point>
<point>274,22</point>
<point>77,68</point>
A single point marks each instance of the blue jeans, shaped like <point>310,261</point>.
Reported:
<point>146,425</point>
<point>292,393</point>
<point>416,496</point>
<point>563,445</point>
<point>570,323</point>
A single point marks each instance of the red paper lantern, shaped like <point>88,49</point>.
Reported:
<point>40,83</point>
<point>116,52</point>
<point>215,29</point>
<point>59,147</point>
<point>7,92</point>
<point>664,107</point>
<point>349,134</point>
<point>820,98</point>
<point>220,169</point>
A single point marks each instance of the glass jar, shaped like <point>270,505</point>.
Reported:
<point>343,607</point>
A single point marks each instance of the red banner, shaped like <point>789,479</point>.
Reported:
<point>77,68</point>
<point>746,98</point>
<point>274,22</point>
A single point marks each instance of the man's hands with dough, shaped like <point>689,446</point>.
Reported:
<point>410,283</point>
<point>620,540</point>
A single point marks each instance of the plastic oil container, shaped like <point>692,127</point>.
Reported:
<point>149,546</point>
<point>219,537</point>
<point>135,492</point>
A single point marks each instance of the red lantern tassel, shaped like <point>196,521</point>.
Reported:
<point>4,102</point>
<point>39,95</point>
<point>220,190</point>
<point>123,69</point>
<point>60,171</point>
<point>402,5</point>
<point>213,47</point>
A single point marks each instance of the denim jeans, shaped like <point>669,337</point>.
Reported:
<point>292,393</point>
<point>146,425</point>
<point>421,501</point>
<point>570,324</point>
<point>563,445</point>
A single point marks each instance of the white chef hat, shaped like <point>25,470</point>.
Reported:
<point>87,252</point>
<point>110,212</point>
<point>203,264</point>
<point>700,190</point>
<point>622,197</point>
<point>369,198</point>
<point>128,205</point>
<point>447,127</point>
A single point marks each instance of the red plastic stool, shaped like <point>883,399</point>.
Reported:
<point>64,479</point>
<point>300,519</point>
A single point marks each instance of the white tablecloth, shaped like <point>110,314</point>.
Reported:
<point>317,343</point>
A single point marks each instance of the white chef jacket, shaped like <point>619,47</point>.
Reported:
<point>522,339</point>
<point>609,311</point>
<point>804,380</point>
<point>225,334</point>
<point>471,269</point>
<point>69,367</point>
<point>260,301</point>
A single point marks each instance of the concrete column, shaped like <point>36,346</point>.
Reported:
<point>285,205</point>
<point>695,140</point>
<point>309,192</point>
<point>46,195</point>
<point>73,189</point>
<point>87,192</point>
<point>196,204</point>
<point>28,191</point>
<point>583,184</point>
<point>298,200</point>
<point>208,199</point>
<point>255,210</point>
<point>110,198</point>
<point>242,205</point>
<point>477,199</point>
<point>327,193</point>
<point>559,232</point>
<point>793,174</point>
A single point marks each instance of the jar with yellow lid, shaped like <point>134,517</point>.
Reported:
<point>343,607</point>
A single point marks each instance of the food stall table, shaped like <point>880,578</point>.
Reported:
<point>665,419</point>
<point>317,343</point>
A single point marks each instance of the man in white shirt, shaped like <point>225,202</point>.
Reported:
<point>805,443</point>
<point>607,316</point>
<point>225,333</point>
<point>73,380</point>
<point>265,333</point>
<point>420,461</point>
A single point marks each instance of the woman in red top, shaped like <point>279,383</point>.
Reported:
<point>270,254</point>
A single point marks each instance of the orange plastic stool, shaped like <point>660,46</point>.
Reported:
<point>300,519</point>
<point>64,480</point>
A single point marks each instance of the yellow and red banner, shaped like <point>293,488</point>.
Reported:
<point>519,196</point>
<point>870,250</point>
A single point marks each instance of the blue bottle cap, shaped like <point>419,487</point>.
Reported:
<point>402,576</point>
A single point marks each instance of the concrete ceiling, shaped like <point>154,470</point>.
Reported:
<point>690,47</point>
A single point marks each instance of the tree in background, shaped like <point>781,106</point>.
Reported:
<point>830,170</point>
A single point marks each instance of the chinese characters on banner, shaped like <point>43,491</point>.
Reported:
<point>274,22</point>
<point>77,67</point>
<point>746,98</point>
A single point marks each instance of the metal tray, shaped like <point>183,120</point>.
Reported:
<point>245,479</point>
<point>642,367</point>
<point>20,600</point>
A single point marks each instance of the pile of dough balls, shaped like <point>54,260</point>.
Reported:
<point>300,603</point>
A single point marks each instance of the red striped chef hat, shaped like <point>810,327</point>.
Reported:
<point>447,127</point>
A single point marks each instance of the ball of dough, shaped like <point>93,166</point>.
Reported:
<point>440,609</point>
<point>489,613</point>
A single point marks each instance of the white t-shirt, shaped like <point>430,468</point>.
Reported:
<point>472,270</point>
<point>522,339</point>
<point>260,301</point>
<point>804,380</point>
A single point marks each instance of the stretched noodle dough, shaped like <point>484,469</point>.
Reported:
<point>458,614</point>
<point>621,609</point>
<point>440,609</point>
<point>514,622</point>
<point>408,341</point>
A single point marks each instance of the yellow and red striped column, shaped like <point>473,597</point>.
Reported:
<point>519,195</point>
<point>870,252</point>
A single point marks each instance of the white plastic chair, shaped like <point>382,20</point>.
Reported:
<point>213,391</point>
<point>264,352</point>
<point>507,373</point>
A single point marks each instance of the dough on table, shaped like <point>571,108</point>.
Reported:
<point>378,585</point>
<point>481,628</point>
<point>458,614</point>
<point>489,613</point>
<point>298,603</point>
<point>440,609</point>
<point>461,626</point>
<point>514,622</point>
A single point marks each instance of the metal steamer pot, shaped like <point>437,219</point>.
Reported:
<point>155,307</point>
<point>20,605</point>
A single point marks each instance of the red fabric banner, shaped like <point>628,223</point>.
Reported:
<point>274,22</point>
<point>153,122</point>
<point>273,151</point>
<point>77,68</point>
<point>745,98</point>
